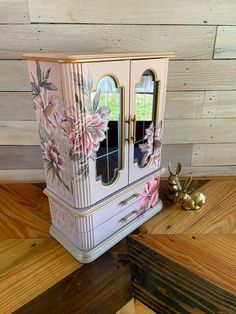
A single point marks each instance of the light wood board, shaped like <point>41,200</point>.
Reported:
<point>188,42</point>
<point>133,12</point>
<point>14,11</point>
<point>183,75</point>
<point>225,46</point>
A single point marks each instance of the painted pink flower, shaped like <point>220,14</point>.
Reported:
<point>149,194</point>
<point>46,108</point>
<point>53,162</point>
<point>86,133</point>
<point>155,159</point>
<point>152,147</point>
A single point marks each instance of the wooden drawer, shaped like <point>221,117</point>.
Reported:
<point>117,222</point>
<point>184,273</point>
<point>102,212</point>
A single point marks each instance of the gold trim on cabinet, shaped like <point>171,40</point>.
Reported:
<point>76,213</point>
<point>101,59</point>
<point>100,246</point>
<point>122,89</point>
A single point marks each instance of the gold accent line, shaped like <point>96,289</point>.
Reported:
<point>122,89</point>
<point>109,240</point>
<point>76,213</point>
<point>124,202</point>
<point>102,59</point>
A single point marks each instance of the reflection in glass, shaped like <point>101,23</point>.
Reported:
<point>145,110</point>
<point>108,159</point>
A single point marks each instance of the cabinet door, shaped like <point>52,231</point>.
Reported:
<point>147,102</point>
<point>106,97</point>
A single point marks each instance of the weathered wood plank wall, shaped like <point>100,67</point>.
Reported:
<point>200,119</point>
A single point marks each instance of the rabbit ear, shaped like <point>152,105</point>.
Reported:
<point>178,169</point>
<point>169,168</point>
<point>187,183</point>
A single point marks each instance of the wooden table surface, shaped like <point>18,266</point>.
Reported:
<point>199,246</point>
<point>33,264</point>
<point>38,275</point>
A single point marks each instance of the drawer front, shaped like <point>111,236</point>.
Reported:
<point>133,212</point>
<point>125,199</point>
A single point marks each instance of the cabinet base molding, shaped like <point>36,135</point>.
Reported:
<point>90,255</point>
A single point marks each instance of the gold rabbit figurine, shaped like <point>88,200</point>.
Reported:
<point>174,186</point>
<point>191,201</point>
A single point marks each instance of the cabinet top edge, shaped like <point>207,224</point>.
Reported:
<point>80,58</point>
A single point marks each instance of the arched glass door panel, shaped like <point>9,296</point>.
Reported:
<point>109,155</point>
<point>146,95</point>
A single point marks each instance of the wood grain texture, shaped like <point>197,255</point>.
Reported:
<point>134,306</point>
<point>219,104</point>
<point>14,76</point>
<point>148,12</point>
<point>188,42</point>
<point>20,157</point>
<point>225,46</point>
<point>14,11</point>
<point>183,75</point>
<point>128,308</point>
<point>203,171</point>
<point>180,131</point>
<point>16,106</point>
<point>202,104</point>
<point>29,267</point>
<point>212,257</point>
<point>184,105</point>
<point>217,216</point>
<point>211,171</point>
<point>22,175</point>
<point>100,287</point>
<point>184,274</point>
<point>23,216</point>
<point>174,153</point>
<point>18,133</point>
<point>202,75</point>
<point>214,154</point>
<point>140,308</point>
<point>35,267</point>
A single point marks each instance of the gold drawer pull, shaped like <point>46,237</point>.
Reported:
<point>124,202</point>
<point>130,216</point>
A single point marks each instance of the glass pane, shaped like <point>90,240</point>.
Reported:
<point>108,157</point>
<point>145,111</point>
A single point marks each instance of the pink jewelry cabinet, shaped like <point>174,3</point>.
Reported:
<point>100,122</point>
